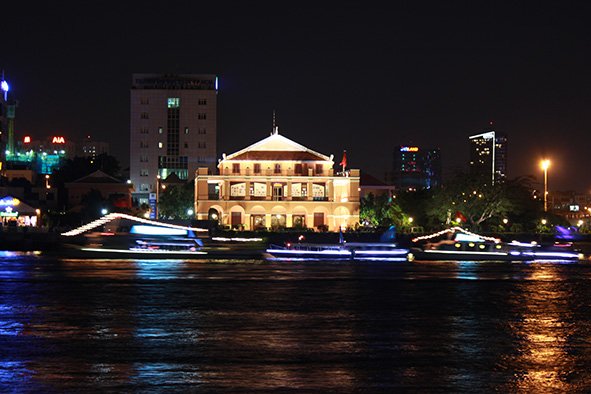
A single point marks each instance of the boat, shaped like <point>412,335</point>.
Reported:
<point>345,251</point>
<point>457,243</point>
<point>131,238</point>
<point>342,250</point>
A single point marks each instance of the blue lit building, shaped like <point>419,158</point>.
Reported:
<point>416,168</point>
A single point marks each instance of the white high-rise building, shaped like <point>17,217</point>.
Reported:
<point>173,128</point>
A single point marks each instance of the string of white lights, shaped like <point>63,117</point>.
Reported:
<point>112,216</point>
<point>453,230</point>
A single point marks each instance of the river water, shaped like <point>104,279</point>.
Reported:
<point>255,326</point>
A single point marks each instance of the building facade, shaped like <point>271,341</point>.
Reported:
<point>173,128</point>
<point>488,155</point>
<point>416,168</point>
<point>277,183</point>
<point>91,148</point>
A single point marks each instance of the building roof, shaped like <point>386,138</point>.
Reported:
<point>369,180</point>
<point>277,155</point>
<point>277,147</point>
<point>97,177</point>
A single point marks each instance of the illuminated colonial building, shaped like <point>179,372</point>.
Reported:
<point>488,155</point>
<point>172,128</point>
<point>276,183</point>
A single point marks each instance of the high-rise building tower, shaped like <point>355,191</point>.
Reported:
<point>173,128</point>
<point>488,155</point>
<point>416,168</point>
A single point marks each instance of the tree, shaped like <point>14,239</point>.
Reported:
<point>380,210</point>
<point>93,203</point>
<point>175,201</point>
<point>472,199</point>
<point>78,167</point>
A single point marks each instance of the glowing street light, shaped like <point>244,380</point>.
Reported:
<point>545,164</point>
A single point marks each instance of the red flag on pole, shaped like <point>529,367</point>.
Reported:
<point>344,160</point>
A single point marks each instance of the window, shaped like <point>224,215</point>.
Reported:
<point>186,144</point>
<point>143,159</point>
<point>144,101</point>
<point>235,168</point>
<point>143,144</point>
<point>186,130</point>
<point>160,145</point>
<point>144,130</point>
<point>159,130</point>
<point>201,131</point>
<point>298,168</point>
<point>202,102</point>
<point>201,145</point>
<point>319,168</point>
<point>202,116</point>
<point>173,102</point>
<point>145,115</point>
<point>318,219</point>
<point>143,172</point>
<point>144,187</point>
<point>236,219</point>
<point>277,168</point>
<point>257,168</point>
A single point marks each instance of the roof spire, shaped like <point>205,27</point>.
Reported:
<point>275,127</point>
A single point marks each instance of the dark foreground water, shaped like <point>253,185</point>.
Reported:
<point>149,326</point>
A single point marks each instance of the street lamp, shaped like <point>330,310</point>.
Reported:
<point>545,164</point>
<point>157,193</point>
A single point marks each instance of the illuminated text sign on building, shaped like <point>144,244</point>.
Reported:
<point>27,139</point>
<point>58,140</point>
<point>9,201</point>
<point>409,149</point>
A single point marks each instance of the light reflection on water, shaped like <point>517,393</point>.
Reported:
<point>315,326</point>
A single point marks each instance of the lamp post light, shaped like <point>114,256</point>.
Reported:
<point>545,164</point>
<point>157,194</point>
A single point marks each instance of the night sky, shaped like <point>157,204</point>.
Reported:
<point>351,76</point>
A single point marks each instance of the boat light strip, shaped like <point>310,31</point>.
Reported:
<point>142,251</point>
<point>323,252</point>
<point>112,216</point>
<point>465,252</point>
<point>453,230</point>
<point>382,252</point>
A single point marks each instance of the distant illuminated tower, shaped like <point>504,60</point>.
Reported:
<point>416,168</point>
<point>7,112</point>
<point>173,128</point>
<point>488,155</point>
<point>3,111</point>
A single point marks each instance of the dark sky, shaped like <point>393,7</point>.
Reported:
<point>352,76</point>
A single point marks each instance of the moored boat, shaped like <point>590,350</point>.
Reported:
<point>131,238</point>
<point>459,244</point>
<point>344,251</point>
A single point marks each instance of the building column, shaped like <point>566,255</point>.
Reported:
<point>288,220</point>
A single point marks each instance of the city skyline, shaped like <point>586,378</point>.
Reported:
<point>429,74</point>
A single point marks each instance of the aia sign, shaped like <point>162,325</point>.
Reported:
<point>58,140</point>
